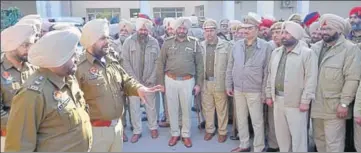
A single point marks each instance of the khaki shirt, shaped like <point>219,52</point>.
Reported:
<point>357,108</point>
<point>139,64</point>
<point>11,81</point>
<point>280,76</point>
<point>300,75</point>
<point>221,51</point>
<point>249,50</point>
<point>49,114</point>
<point>210,53</point>
<point>180,59</point>
<point>104,86</point>
<point>338,78</point>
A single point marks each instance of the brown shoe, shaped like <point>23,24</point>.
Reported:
<point>154,134</point>
<point>187,142</point>
<point>208,136</point>
<point>173,140</point>
<point>125,138</point>
<point>164,124</point>
<point>135,138</point>
<point>238,149</point>
<point>222,138</point>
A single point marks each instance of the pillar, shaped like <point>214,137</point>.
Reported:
<point>145,8</point>
<point>228,10</point>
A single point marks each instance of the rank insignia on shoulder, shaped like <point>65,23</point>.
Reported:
<point>7,77</point>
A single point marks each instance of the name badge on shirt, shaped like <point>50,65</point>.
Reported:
<point>189,49</point>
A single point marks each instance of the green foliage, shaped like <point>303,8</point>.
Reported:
<point>9,17</point>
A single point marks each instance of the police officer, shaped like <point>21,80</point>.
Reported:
<point>214,97</point>
<point>15,70</point>
<point>339,75</point>
<point>49,113</point>
<point>180,69</point>
<point>105,83</point>
<point>140,52</point>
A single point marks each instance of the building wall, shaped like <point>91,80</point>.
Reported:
<point>340,8</point>
<point>243,7</point>
<point>283,13</point>
<point>25,7</point>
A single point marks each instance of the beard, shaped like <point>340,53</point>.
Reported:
<point>102,51</point>
<point>122,38</point>
<point>23,58</point>
<point>289,42</point>
<point>327,38</point>
<point>315,39</point>
<point>142,36</point>
<point>356,26</point>
<point>181,35</point>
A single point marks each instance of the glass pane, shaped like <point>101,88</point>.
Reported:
<point>156,15</point>
<point>168,15</point>
<point>180,9</point>
<point>168,9</point>
<point>156,9</point>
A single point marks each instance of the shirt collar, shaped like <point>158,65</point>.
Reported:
<point>7,65</point>
<point>58,81</point>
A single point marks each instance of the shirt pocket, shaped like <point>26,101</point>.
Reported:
<point>331,101</point>
<point>96,88</point>
<point>69,113</point>
<point>333,73</point>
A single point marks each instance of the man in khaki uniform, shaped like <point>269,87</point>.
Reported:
<point>214,96</point>
<point>292,66</point>
<point>315,32</point>
<point>246,79</point>
<point>357,118</point>
<point>140,52</point>
<point>49,113</point>
<point>338,78</point>
<point>224,30</point>
<point>105,83</point>
<point>180,69</point>
<point>15,70</point>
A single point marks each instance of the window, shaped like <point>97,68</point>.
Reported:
<point>199,11</point>
<point>134,12</point>
<point>108,13</point>
<point>168,12</point>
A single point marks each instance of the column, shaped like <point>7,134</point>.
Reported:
<point>228,9</point>
<point>145,8</point>
<point>303,7</point>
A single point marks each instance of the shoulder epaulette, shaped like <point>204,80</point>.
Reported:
<point>193,38</point>
<point>82,58</point>
<point>37,84</point>
<point>169,38</point>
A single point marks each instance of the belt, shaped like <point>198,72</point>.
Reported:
<point>280,93</point>
<point>211,78</point>
<point>3,133</point>
<point>174,77</point>
<point>104,123</point>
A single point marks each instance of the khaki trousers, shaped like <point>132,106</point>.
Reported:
<point>244,103</point>
<point>357,137</point>
<point>329,134</point>
<point>165,107</point>
<point>214,101</point>
<point>150,109</point>
<point>271,131</point>
<point>108,139</point>
<point>2,144</point>
<point>291,127</point>
<point>179,92</point>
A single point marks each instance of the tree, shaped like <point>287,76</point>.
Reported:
<point>9,17</point>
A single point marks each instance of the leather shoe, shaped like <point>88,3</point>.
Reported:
<point>222,138</point>
<point>238,149</point>
<point>154,134</point>
<point>173,140</point>
<point>272,150</point>
<point>125,138</point>
<point>164,124</point>
<point>187,142</point>
<point>135,138</point>
<point>208,136</point>
<point>234,137</point>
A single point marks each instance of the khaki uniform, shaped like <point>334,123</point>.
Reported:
<point>11,81</point>
<point>105,84</point>
<point>214,96</point>
<point>287,73</point>
<point>49,114</point>
<point>180,68</point>
<point>339,75</point>
<point>357,112</point>
<point>140,63</point>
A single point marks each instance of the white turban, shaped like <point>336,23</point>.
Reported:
<point>55,48</point>
<point>334,21</point>
<point>140,22</point>
<point>314,26</point>
<point>126,24</point>
<point>45,26</point>
<point>182,21</point>
<point>93,31</point>
<point>35,22</point>
<point>167,22</point>
<point>32,16</point>
<point>294,29</point>
<point>14,36</point>
<point>62,26</point>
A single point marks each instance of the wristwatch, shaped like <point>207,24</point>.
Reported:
<point>343,105</point>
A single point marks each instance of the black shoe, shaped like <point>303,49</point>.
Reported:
<point>144,119</point>
<point>203,125</point>
<point>272,150</point>
<point>234,137</point>
<point>230,121</point>
<point>195,109</point>
<point>131,128</point>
